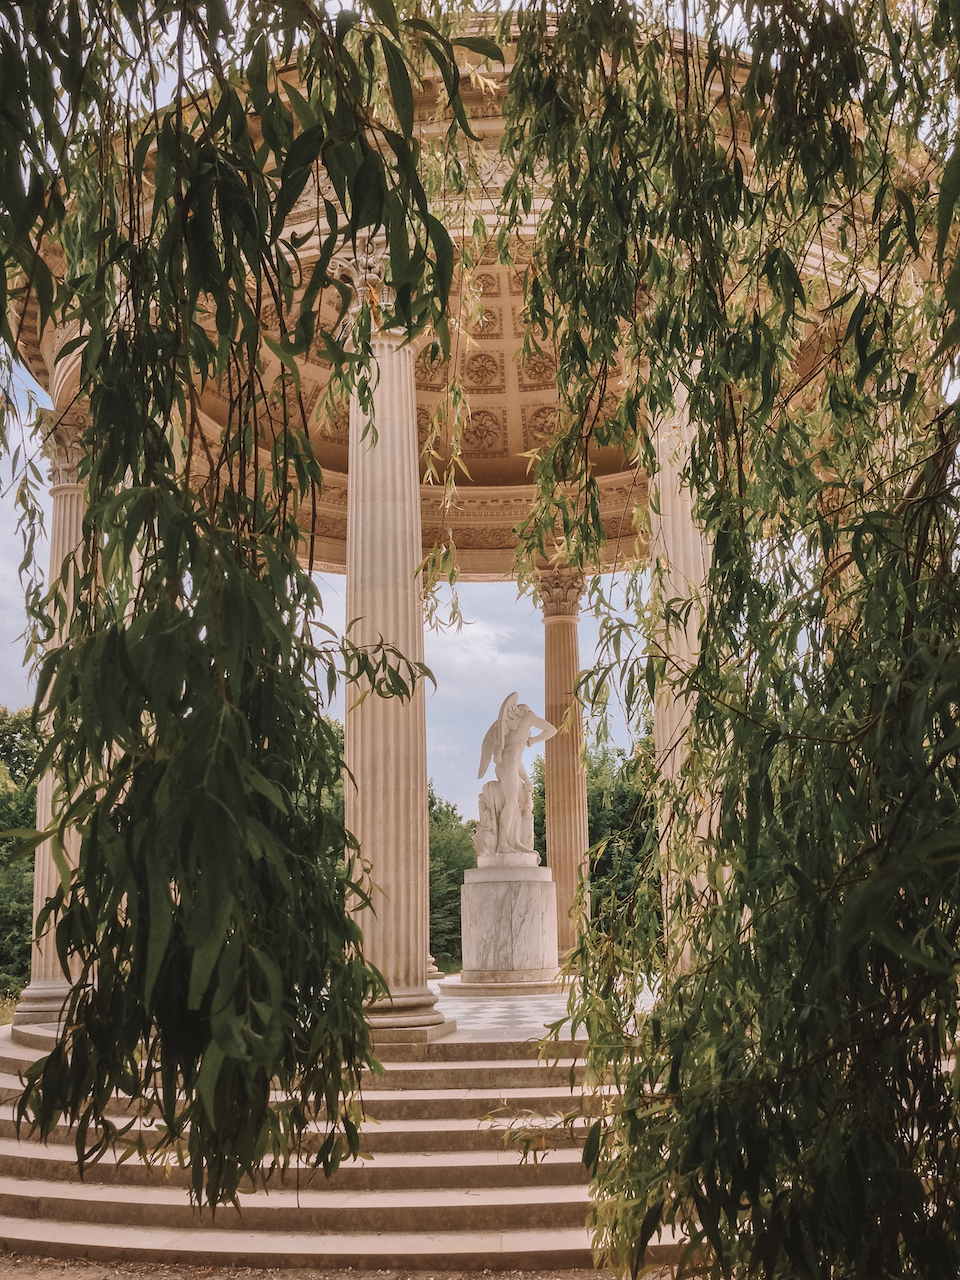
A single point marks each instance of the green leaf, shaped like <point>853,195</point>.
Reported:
<point>480,44</point>
<point>946,203</point>
<point>401,91</point>
<point>591,1146</point>
<point>387,14</point>
<point>443,249</point>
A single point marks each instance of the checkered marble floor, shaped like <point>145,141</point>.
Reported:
<point>508,1017</point>
<point>501,1017</point>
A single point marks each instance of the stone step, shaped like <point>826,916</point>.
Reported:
<point>442,1184</point>
<point>458,1066</point>
<point>424,1105</point>
<point>302,1209</point>
<point>39,1037</point>
<point>376,1136</point>
<point>529,1250</point>
<point>501,1073</point>
<point>478,1103</point>
<point>464,1135</point>
<point>427,1171</point>
<point>456,1049</point>
<point>27,1043</point>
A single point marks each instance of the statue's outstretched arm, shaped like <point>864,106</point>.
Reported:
<point>547,730</point>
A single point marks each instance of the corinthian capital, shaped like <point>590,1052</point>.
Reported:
<point>363,271</point>
<point>62,443</point>
<point>560,591</point>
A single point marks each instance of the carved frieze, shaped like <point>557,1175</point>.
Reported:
<point>336,426</point>
<point>310,202</point>
<point>310,396</point>
<point>330,527</point>
<point>334,493</point>
<point>497,539</point>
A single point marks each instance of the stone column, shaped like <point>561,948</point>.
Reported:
<point>386,747</point>
<point>565,788</point>
<point>677,546</point>
<point>681,553</point>
<point>43,999</point>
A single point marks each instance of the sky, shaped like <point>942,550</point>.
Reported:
<point>498,651</point>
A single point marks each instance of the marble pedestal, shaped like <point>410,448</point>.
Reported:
<point>509,929</point>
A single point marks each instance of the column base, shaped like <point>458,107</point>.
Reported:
<point>43,1000</point>
<point>548,982</point>
<point>408,1019</point>
<point>383,1036</point>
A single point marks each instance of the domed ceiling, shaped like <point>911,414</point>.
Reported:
<point>511,410</point>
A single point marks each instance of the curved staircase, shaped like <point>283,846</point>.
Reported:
<point>438,1187</point>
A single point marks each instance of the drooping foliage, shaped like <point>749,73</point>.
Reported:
<point>203,912</point>
<point>750,210</point>
<point>618,817</point>
<point>747,222</point>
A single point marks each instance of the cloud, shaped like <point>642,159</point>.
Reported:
<point>16,687</point>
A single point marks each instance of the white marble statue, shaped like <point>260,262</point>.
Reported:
<point>504,835</point>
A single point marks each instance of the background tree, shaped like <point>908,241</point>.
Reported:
<point>451,852</point>
<point>619,815</point>
<point>19,748</point>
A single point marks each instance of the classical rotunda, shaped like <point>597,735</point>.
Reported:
<point>379,514</point>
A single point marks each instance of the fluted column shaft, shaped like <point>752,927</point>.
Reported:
<point>682,552</point>
<point>565,783</point>
<point>47,992</point>
<point>386,752</point>
<point>679,545</point>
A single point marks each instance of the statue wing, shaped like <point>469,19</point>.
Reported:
<point>489,745</point>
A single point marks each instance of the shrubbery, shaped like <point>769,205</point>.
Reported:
<point>618,819</point>
<point>18,808</point>
<point>451,852</point>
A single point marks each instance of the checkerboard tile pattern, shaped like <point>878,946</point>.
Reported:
<point>502,1017</point>
<point>508,1017</point>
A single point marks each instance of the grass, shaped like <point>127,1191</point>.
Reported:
<point>8,1003</point>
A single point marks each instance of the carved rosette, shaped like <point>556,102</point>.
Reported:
<point>560,592</point>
